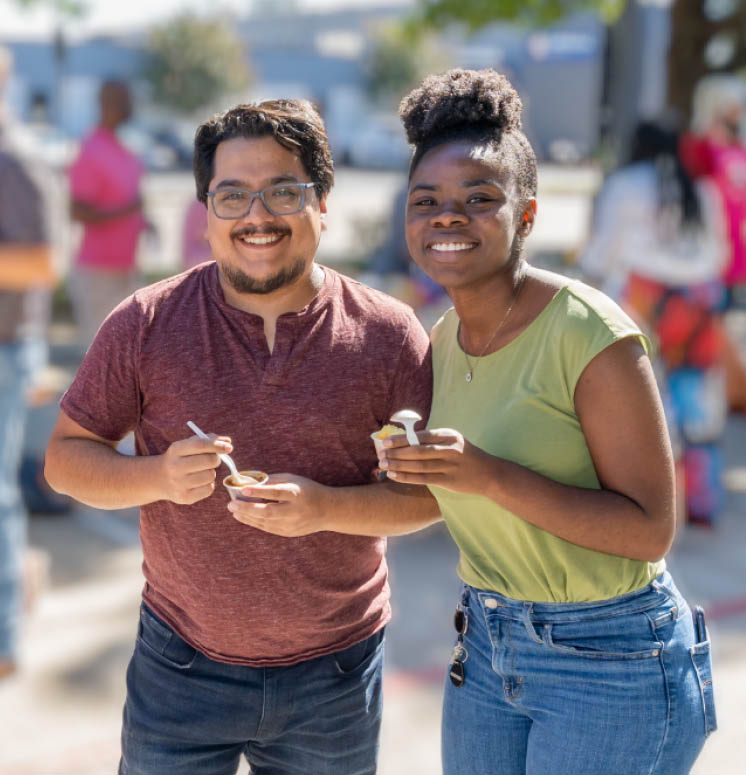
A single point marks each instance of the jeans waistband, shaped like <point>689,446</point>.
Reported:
<point>650,596</point>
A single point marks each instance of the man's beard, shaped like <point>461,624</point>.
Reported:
<point>243,283</point>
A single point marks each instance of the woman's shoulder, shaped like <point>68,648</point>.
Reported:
<point>444,326</point>
<point>581,308</point>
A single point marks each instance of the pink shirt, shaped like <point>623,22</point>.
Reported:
<point>195,247</point>
<point>106,175</point>
<point>177,351</point>
<point>730,175</point>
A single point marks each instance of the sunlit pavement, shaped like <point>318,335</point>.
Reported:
<point>61,714</point>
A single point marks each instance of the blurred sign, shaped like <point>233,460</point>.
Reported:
<point>562,45</point>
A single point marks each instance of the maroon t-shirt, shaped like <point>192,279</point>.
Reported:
<point>176,351</point>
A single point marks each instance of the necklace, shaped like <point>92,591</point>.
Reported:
<point>472,369</point>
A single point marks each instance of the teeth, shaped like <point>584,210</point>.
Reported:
<point>447,246</point>
<point>260,240</point>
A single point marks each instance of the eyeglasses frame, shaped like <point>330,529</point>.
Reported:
<point>260,194</point>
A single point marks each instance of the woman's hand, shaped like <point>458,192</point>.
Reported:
<point>444,458</point>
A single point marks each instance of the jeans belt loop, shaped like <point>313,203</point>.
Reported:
<point>528,609</point>
<point>655,584</point>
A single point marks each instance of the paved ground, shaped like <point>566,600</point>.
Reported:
<point>61,716</point>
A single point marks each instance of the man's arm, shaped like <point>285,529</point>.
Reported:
<point>24,266</point>
<point>89,213</point>
<point>90,469</point>
<point>303,506</point>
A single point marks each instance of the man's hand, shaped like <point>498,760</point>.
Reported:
<point>299,506</point>
<point>187,470</point>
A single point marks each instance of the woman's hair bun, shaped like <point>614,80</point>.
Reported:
<point>460,98</point>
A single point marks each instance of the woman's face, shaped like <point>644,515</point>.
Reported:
<point>463,214</point>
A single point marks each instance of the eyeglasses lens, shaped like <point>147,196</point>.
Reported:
<point>283,199</point>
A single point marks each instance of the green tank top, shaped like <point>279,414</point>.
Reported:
<point>520,407</point>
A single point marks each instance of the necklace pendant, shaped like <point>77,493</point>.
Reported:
<point>469,376</point>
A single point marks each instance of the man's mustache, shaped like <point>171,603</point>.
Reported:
<point>270,231</point>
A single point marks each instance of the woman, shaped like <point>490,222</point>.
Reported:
<point>663,240</point>
<point>548,454</point>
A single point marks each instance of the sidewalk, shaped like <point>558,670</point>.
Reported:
<point>61,715</point>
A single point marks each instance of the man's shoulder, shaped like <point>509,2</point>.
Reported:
<point>95,148</point>
<point>173,290</point>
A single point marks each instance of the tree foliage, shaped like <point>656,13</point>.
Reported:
<point>397,62</point>
<point>192,61</point>
<point>478,13</point>
<point>69,8</point>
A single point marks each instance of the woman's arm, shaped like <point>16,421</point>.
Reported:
<point>620,412</point>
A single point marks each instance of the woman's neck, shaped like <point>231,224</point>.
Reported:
<point>482,306</point>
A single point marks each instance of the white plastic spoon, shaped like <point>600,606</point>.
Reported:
<point>408,417</point>
<point>227,459</point>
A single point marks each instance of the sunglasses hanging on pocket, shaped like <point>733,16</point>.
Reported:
<point>459,655</point>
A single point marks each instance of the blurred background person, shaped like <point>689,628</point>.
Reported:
<point>714,149</point>
<point>194,245</point>
<point>659,246</point>
<point>105,197</point>
<point>25,276</point>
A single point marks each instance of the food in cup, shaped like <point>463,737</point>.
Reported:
<point>378,437</point>
<point>234,489</point>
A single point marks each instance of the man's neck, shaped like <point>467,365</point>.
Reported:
<point>270,306</point>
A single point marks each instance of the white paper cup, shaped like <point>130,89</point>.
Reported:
<point>234,490</point>
<point>378,444</point>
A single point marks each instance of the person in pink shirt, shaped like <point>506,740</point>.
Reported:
<point>105,197</point>
<point>715,149</point>
<point>195,249</point>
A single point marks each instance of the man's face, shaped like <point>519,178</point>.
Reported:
<point>116,104</point>
<point>261,252</point>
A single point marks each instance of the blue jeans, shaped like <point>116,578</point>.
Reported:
<point>617,687</point>
<point>18,362</point>
<point>186,714</point>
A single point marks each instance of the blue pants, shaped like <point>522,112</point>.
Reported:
<point>186,714</point>
<point>18,362</point>
<point>618,687</point>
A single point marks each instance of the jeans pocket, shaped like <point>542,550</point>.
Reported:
<point>702,660</point>
<point>357,658</point>
<point>619,638</point>
<point>159,639</point>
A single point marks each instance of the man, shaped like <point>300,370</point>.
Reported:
<point>251,642</point>
<point>25,276</point>
<point>105,198</point>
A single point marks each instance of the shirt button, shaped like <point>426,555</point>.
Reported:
<point>490,602</point>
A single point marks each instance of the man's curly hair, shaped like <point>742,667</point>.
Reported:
<point>294,124</point>
<point>479,106</point>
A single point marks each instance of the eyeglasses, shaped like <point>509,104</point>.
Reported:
<point>456,671</point>
<point>280,199</point>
